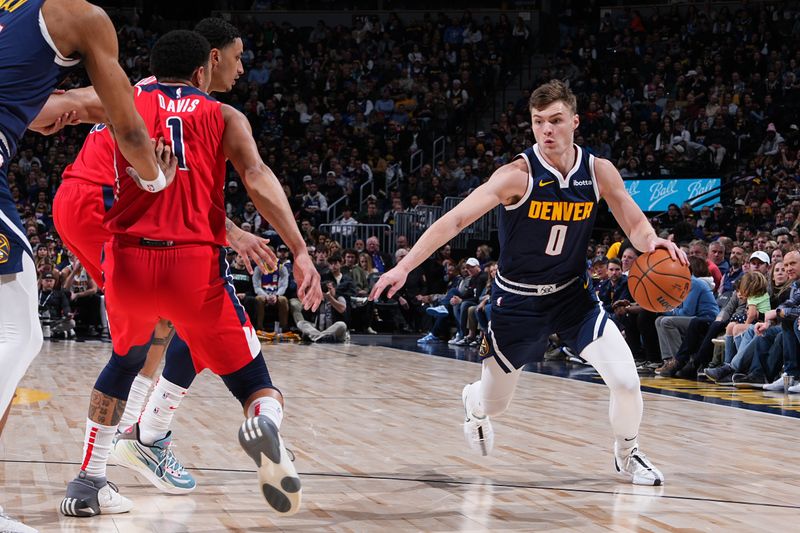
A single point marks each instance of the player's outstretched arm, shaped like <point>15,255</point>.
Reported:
<point>627,213</point>
<point>79,105</point>
<point>78,27</point>
<point>267,194</point>
<point>506,186</point>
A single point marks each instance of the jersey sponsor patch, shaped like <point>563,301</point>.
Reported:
<point>5,249</point>
<point>582,183</point>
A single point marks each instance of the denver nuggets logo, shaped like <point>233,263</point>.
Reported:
<point>5,249</point>
<point>483,351</point>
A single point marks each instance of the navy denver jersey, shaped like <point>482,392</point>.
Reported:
<point>544,236</point>
<point>30,68</point>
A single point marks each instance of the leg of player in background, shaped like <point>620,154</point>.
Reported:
<point>613,360</point>
<point>146,448</point>
<point>144,381</point>
<point>488,397</point>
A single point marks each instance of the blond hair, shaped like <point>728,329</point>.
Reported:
<point>553,91</point>
<point>753,284</point>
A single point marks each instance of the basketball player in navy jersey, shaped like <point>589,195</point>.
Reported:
<point>549,195</point>
<point>40,41</point>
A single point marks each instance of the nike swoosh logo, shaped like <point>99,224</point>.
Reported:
<point>543,183</point>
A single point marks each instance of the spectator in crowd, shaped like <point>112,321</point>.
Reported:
<point>270,289</point>
<point>54,310</point>
<point>381,261</point>
<point>83,297</point>
<point>328,324</point>
<point>315,205</point>
<point>673,325</point>
<point>466,298</point>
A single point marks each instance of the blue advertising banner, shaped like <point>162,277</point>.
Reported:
<point>657,194</point>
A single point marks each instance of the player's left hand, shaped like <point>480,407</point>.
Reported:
<point>674,252</point>
<point>254,249</point>
<point>70,118</point>
<point>309,288</point>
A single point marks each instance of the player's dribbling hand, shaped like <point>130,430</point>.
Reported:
<point>674,252</point>
<point>309,288</point>
<point>392,280</point>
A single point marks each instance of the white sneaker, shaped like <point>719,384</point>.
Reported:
<point>9,525</point>
<point>637,468</point>
<point>478,432</point>
<point>280,485</point>
<point>776,385</point>
<point>795,388</point>
<point>455,340</point>
<point>85,498</point>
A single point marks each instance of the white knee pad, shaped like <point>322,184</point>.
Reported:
<point>611,356</point>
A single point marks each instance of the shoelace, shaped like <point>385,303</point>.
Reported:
<point>169,461</point>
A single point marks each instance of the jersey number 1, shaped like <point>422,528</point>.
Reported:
<point>175,125</point>
<point>558,236</point>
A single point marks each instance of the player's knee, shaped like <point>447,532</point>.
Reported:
<point>249,379</point>
<point>117,377</point>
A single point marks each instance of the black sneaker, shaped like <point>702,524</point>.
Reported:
<point>687,372</point>
<point>720,373</point>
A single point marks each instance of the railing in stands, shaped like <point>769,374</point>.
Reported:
<point>415,161</point>
<point>481,229</point>
<point>333,209</point>
<point>348,234</point>
<point>362,194</point>
<point>438,150</point>
<point>413,223</point>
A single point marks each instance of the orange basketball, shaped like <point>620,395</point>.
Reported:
<point>657,282</point>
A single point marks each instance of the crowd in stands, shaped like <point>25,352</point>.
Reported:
<point>683,91</point>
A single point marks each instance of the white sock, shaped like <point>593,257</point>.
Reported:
<point>136,397</point>
<point>96,447</point>
<point>269,407</point>
<point>157,416</point>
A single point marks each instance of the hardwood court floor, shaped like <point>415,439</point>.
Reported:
<point>377,436</point>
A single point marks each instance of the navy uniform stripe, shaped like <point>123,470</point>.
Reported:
<point>225,274</point>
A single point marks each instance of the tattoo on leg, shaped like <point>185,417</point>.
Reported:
<point>104,409</point>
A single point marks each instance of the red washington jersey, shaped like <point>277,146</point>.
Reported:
<point>95,161</point>
<point>192,209</point>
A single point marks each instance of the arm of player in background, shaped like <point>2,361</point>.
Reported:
<point>78,27</point>
<point>627,213</point>
<point>80,105</point>
<point>507,183</point>
<point>267,194</point>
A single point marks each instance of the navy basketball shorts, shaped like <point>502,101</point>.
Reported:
<point>521,324</point>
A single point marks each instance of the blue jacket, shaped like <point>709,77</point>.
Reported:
<point>699,303</point>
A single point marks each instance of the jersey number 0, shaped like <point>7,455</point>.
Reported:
<point>558,236</point>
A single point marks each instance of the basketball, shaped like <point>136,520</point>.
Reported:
<point>657,282</point>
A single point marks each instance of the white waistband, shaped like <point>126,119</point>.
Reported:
<point>527,289</point>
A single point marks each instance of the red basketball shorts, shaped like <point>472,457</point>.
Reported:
<point>78,211</point>
<point>188,285</point>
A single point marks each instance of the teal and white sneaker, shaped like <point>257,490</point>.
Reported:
<point>156,463</point>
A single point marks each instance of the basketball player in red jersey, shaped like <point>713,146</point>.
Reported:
<point>87,188</point>
<point>146,275</point>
